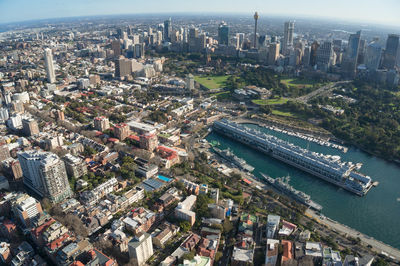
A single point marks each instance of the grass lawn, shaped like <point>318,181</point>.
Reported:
<point>299,83</point>
<point>277,112</point>
<point>270,101</point>
<point>212,82</point>
<point>223,95</point>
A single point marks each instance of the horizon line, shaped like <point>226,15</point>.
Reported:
<point>303,16</point>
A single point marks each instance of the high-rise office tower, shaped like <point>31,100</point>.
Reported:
<point>273,53</point>
<point>48,60</point>
<point>288,36</point>
<point>373,55</point>
<point>306,56</point>
<point>45,174</point>
<point>129,30</point>
<point>313,53</point>
<point>349,64</point>
<point>255,29</point>
<point>361,52</point>
<point>116,47</point>
<point>167,30</point>
<point>325,56</point>
<point>239,40</point>
<point>391,51</point>
<point>223,33</point>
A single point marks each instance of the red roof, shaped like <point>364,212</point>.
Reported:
<point>113,140</point>
<point>134,137</point>
<point>38,230</point>
<point>58,242</point>
<point>9,225</point>
<point>246,181</point>
<point>287,250</point>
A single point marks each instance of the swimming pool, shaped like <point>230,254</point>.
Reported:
<point>163,178</point>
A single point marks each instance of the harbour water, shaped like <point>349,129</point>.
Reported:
<point>377,214</point>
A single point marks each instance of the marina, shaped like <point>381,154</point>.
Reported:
<point>327,167</point>
<point>365,214</point>
<point>310,138</point>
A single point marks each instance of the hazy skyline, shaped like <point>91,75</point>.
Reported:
<point>382,12</point>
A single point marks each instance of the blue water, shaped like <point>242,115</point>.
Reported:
<point>377,214</point>
<point>163,178</point>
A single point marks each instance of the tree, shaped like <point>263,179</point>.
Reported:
<point>380,262</point>
<point>185,226</point>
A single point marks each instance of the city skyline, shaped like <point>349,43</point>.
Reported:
<point>369,11</point>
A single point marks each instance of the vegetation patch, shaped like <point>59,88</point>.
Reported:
<point>212,82</point>
<point>270,101</point>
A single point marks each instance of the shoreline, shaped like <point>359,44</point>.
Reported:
<point>377,245</point>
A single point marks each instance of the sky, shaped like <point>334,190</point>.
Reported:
<point>378,11</point>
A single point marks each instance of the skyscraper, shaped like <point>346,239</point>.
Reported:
<point>239,40</point>
<point>116,47</point>
<point>288,36</point>
<point>325,56</point>
<point>273,53</point>
<point>349,64</point>
<point>48,59</point>
<point>45,174</point>
<point>167,30</point>
<point>255,29</point>
<point>223,33</point>
<point>391,51</point>
<point>373,55</point>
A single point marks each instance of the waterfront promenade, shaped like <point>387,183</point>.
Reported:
<point>377,245</point>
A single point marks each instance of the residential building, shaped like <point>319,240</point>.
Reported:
<point>164,233</point>
<point>30,127</point>
<point>101,123</point>
<point>12,168</point>
<point>45,173</point>
<point>75,166</point>
<point>4,152</point>
<point>183,210</point>
<point>190,82</point>
<point>272,225</point>
<point>26,209</point>
<point>140,249</point>
<point>123,67</point>
<point>242,257</point>
<point>122,131</point>
<point>271,252</point>
<point>148,142</point>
